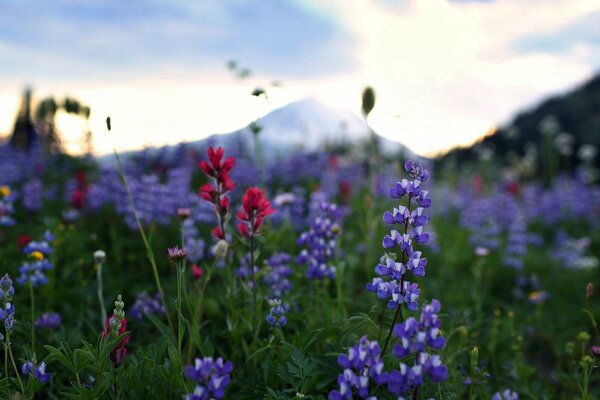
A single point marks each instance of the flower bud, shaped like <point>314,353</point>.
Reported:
<point>474,356</point>
<point>99,256</point>
<point>589,290</point>
<point>183,213</point>
<point>220,250</point>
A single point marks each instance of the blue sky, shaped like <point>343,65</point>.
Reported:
<point>80,39</point>
<point>451,69</point>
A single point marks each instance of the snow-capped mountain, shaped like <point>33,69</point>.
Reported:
<point>309,124</point>
<point>304,125</point>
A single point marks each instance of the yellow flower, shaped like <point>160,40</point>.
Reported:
<point>5,191</point>
<point>38,255</point>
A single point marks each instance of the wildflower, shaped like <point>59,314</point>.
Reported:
<point>176,254</point>
<point>211,377</point>
<point>37,371</point>
<point>116,325</point>
<point>321,241</point>
<point>99,256</point>
<point>7,312</point>
<point>183,213</point>
<point>5,191</point>
<point>418,338</point>
<point>276,317</point>
<point>147,305</point>
<point>392,285</point>
<point>216,192</point>
<point>197,272</point>
<point>362,365</point>
<point>589,290</point>
<point>507,394</point>
<point>540,296</point>
<point>278,272</point>
<point>255,208</point>
<point>48,321</point>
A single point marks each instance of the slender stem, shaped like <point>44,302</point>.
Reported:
<point>253,280</point>
<point>32,317</point>
<point>381,320</point>
<point>6,356</point>
<point>179,314</point>
<point>100,296</point>
<point>387,339</point>
<point>415,393</point>
<point>149,252</point>
<point>12,359</point>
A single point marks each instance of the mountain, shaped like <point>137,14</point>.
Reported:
<point>305,125</point>
<point>576,113</point>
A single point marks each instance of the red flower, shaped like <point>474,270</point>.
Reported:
<point>216,169</point>
<point>197,272</point>
<point>215,191</point>
<point>255,208</point>
<point>218,233</point>
<point>78,198</point>
<point>117,355</point>
<point>23,240</point>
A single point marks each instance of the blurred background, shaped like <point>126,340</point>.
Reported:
<point>445,72</point>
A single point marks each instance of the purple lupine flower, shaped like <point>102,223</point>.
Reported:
<point>6,206</point>
<point>276,317</point>
<point>7,312</point>
<point>507,394</point>
<point>37,371</point>
<point>48,320</point>
<point>391,284</point>
<point>417,338</point>
<point>32,271</point>
<point>321,242</point>
<point>211,377</point>
<point>363,371</point>
<point>147,305</point>
<point>32,195</point>
<point>277,274</point>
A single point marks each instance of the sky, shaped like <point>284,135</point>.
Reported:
<point>445,72</point>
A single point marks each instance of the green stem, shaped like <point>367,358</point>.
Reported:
<point>180,327</point>
<point>149,252</point>
<point>100,296</point>
<point>12,359</point>
<point>253,280</point>
<point>32,317</point>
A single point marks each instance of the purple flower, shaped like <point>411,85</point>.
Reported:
<point>176,254</point>
<point>211,377</point>
<point>38,372</point>
<point>48,321</point>
<point>363,371</point>
<point>147,305</point>
<point>276,317</point>
<point>7,311</point>
<point>507,394</point>
<point>392,284</point>
<point>277,274</point>
<point>321,242</point>
<point>418,338</point>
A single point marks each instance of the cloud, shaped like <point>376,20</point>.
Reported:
<point>69,39</point>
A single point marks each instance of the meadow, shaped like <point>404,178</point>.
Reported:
<point>202,274</point>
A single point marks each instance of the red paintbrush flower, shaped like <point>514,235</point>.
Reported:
<point>215,192</point>
<point>255,208</point>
